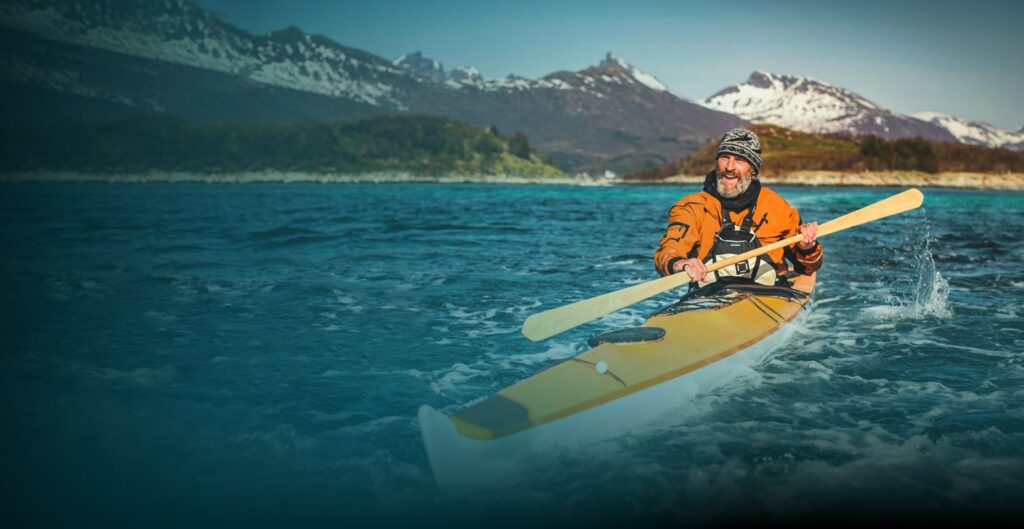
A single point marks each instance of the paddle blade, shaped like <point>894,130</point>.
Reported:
<point>551,322</point>
<point>898,203</point>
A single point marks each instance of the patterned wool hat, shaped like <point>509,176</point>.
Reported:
<point>742,143</point>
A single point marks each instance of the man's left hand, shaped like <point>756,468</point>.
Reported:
<point>810,233</point>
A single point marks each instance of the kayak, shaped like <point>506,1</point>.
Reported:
<point>627,379</point>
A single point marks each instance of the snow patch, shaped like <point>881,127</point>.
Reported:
<point>976,132</point>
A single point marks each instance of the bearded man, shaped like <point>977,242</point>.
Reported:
<point>734,214</point>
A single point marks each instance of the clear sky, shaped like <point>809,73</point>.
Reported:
<point>962,58</point>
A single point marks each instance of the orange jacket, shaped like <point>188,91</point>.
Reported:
<point>695,220</point>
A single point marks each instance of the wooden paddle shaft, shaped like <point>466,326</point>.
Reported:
<point>899,203</point>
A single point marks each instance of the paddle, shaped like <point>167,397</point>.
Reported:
<point>551,322</point>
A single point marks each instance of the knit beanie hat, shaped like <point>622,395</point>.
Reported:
<point>742,143</point>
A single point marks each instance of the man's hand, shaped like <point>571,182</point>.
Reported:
<point>693,267</point>
<point>810,233</point>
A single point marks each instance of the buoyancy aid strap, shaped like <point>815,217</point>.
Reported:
<point>748,221</point>
<point>726,221</point>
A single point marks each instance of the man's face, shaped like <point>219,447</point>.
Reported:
<point>734,175</point>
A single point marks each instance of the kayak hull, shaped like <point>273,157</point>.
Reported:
<point>612,389</point>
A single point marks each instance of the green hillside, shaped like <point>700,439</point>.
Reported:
<point>787,151</point>
<point>420,145</point>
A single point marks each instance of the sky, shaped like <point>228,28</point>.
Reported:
<point>961,58</point>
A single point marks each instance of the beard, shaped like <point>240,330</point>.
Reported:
<point>742,185</point>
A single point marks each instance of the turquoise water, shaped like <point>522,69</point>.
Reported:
<point>254,355</point>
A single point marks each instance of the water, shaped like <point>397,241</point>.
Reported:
<point>254,355</point>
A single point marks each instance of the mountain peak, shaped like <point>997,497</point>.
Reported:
<point>764,79</point>
<point>615,65</point>
<point>427,68</point>
<point>466,75</point>
<point>420,66</point>
<point>288,34</point>
<point>612,60</point>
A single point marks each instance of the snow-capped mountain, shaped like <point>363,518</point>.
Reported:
<point>810,105</point>
<point>975,132</point>
<point>613,111</point>
<point>179,32</point>
<point>87,60</point>
<point>431,70</point>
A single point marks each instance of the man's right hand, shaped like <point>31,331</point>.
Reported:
<point>694,268</point>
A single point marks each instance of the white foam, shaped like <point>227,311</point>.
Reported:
<point>974,350</point>
<point>556,351</point>
<point>452,379</point>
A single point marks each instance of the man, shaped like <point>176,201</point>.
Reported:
<point>733,214</point>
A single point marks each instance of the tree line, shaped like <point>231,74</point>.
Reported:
<point>786,151</point>
<point>416,144</point>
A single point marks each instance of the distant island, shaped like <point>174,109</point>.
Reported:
<point>401,148</point>
<point>801,158</point>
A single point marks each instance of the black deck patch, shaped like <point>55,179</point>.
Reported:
<point>631,335</point>
<point>494,413</point>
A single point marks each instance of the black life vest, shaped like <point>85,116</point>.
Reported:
<point>733,240</point>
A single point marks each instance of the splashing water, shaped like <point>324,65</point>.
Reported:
<point>931,298</point>
<point>927,297</point>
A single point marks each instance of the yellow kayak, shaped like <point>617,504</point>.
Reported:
<point>627,378</point>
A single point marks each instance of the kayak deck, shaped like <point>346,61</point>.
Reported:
<point>702,328</point>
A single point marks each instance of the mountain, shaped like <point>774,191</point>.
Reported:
<point>975,132</point>
<point>810,105</point>
<point>179,32</point>
<point>611,116</point>
<point>83,60</point>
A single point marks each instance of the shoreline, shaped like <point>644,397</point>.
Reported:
<point>953,180</point>
<point>985,181</point>
<point>275,177</point>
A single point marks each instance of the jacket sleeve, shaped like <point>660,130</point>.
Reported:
<point>681,237</point>
<point>805,262</point>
